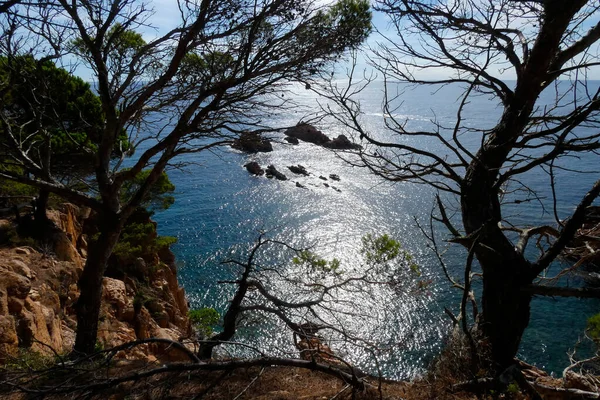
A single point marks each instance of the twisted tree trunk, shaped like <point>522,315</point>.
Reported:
<point>90,283</point>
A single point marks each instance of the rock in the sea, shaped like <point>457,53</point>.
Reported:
<point>298,184</point>
<point>307,133</point>
<point>334,177</point>
<point>342,143</point>
<point>272,172</point>
<point>322,177</point>
<point>254,168</point>
<point>251,142</point>
<point>291,140</point>
<point>298,169</point>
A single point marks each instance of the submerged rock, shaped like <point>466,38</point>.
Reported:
<point>251,142</point>
<point>254,168</point>
<point>272,172</point>
<point>334,177</point>
<point>322,177</point>
<point>298,169</point>
<point>298,184</point>
<point>291,140</point>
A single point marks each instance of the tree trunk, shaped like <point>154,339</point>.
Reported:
<point>41,205</point>
<point>230,318</point>
<point>505,306</point>
<point>90,283</point>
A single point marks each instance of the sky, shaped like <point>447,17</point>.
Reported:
<point>166,16</point>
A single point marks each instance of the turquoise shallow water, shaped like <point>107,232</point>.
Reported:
<point>220,209</point>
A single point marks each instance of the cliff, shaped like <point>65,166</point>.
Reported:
<point>38,290</point>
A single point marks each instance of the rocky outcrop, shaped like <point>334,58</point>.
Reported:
<point>273,173</point>
<point>254,168</point>
<point>298,170</point>
<point>38,291</point>
<point>309,133</point>
<point>251,142</point>
<point>342,143</point>
<point>292,140</point>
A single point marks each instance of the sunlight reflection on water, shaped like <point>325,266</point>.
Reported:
<point>220,210</point>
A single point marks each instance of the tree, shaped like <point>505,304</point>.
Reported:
<point>545,45</point>
<point>51,117</point>
<point>148,89</point>
<point>298,290</point>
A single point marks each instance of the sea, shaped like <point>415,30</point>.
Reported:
<point>221,211</point>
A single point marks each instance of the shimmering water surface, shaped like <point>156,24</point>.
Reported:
<point>220,209</point>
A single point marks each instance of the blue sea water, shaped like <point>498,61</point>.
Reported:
<point>220,210</point>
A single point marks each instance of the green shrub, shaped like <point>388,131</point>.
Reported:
<point>29,360</point>
<point>139,239</point>
<point>203,320</point>
<point>593,327</point>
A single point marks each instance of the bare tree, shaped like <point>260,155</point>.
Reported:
<point>190,89</point>
<point>548,45</point>
<point>316,309</point>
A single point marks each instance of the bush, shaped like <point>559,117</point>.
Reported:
<point>139,239</point>
<point>203,320</point>
<point>593,327</point>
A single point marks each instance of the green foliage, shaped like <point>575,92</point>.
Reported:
<point>50,111</point>
<point>316,263</point>
<point>513,388</point>
<point>381,249</point>
<point>203,320</point>
<point>98,347</point>
<point>138,240</point>
<point>353,19</point>
<point>12,188</point>
<point>14,239</point>
<point>593,327</point>
<point>29,360</point>
<point>205,67</point>
<point>158,197</point>
<point>122,45</point>
<point>350,19</point>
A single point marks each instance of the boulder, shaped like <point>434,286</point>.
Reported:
<point>307,133</point>
<point>322,178</point>
<point>254,168</point>
<point>291,140</point>
<point>272,172</point>
<point>8,337</point>
<point>65,250</point>
<point>298,169</point>
<point>298,184</point>
<point>334,177</point>
<point>15,284</point>
<point>342,143</point>
<point>251,142</point>
<point>114,293</point>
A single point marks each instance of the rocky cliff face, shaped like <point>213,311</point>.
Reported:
<point>38,290</point>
